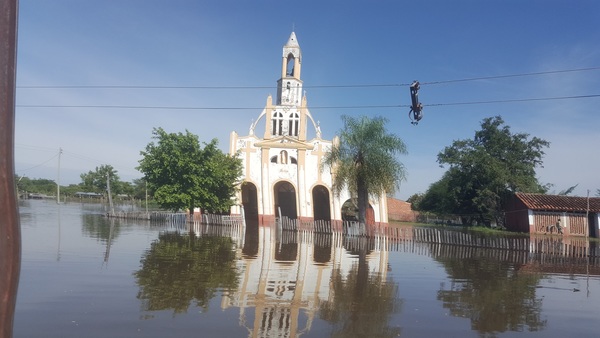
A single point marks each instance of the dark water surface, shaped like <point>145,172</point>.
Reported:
<point>87,276</point>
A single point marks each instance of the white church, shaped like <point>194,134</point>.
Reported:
<point>281,169</point>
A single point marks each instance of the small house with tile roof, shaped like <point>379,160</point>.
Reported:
<point>555,214</point>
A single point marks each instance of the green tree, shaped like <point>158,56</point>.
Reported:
<point>221,173</point>
<point>415,200</point>
<point>440,198</point>
<point>484,171</point>
<point>126,188</point>
<point>95,181</point>
<point>36,185</point>
<point>70,190</point>
<point>182,175</point>
<point>364,160</point>
<point>139,189</point>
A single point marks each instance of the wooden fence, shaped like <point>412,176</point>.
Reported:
<point>391,238</point>
<point>373,237</point>
<point>179,217</point>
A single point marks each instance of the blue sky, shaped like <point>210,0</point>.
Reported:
<point>178,43</point>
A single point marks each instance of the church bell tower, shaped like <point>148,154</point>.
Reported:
<point>289,86</point>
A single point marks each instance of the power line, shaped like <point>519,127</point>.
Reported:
<point>36,148</point>
<point>515,100</point>
<point>313,107</point>
<point>511,75</point>
<point>65,152</point>
<point>314,86</point>
<point>41,164</point>
<point>83,157</point>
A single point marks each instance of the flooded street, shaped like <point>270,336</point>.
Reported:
<point>84,275</point>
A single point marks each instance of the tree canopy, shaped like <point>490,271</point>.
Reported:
<point>183,175</point>
<point>364,161</point>
<point>95,181</point>
<point>484,171</point>
<point>36,185</point>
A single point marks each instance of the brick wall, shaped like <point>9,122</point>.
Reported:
<point>400,211</point>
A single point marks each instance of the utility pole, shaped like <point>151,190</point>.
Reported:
<point>10,232</point>
<point>146,198</point>
<point>58,179</point>
<point>110,202</point>
<point>587,217</point>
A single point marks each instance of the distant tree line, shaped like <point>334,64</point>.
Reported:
<point>179,174</point>
<point>93,181</point>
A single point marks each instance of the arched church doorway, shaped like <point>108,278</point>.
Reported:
<point>350,212</point>
<point>285,200</point>
<point>250,203</point>
<point>321,204</point>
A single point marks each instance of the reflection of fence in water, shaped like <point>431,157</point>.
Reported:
<point>171,218</point>
<point>410,238</point>
<point>466,252</point>
<point>560,250</point>
<point>202,224</point>
<point>232,230</point>
<point>154,216</point>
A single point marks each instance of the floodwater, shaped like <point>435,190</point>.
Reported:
<point>87,276</point>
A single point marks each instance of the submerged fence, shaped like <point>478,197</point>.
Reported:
<point>378,237</point>
<point>179,217</point>
<point>374,237</point>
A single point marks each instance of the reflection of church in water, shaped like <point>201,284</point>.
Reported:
<point>286,275</point>
<point>281,175</point>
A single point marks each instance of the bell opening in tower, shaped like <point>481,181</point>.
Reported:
<point>290,65</point>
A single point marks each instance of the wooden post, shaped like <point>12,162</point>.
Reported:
<point>110,201</point>
<point>10,235</point>
<point>587,218</point>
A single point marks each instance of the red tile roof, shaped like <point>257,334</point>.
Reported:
<point>558,202</point>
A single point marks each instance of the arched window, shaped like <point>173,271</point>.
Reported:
<point>274,159</point>
<point>290,65</point>
<point>277,124</point>
<point>293,123</point>
<point>284,157</point>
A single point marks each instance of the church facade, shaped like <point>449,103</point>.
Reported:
<point>282,174</point>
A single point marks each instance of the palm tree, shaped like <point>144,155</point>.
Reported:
<point>364,160</point>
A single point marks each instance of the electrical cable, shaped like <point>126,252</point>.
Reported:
<point>83,157</point>
<point>314,86</point>
<point>511,75</point>
<point>514,100</point>
<point>39,165</point>
<point>316,107</point>
<point>36,148</point>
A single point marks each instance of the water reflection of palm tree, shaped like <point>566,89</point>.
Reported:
<point>362,303</point>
